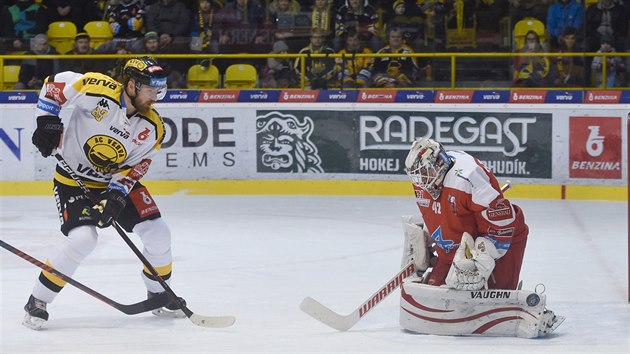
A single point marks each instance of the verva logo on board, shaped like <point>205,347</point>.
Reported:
<point>595,147</point>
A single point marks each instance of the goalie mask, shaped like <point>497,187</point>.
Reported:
<point>427,164</point>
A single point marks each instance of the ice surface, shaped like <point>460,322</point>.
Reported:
<point>258,257</point>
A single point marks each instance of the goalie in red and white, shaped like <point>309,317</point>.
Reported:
<point>479,238</point>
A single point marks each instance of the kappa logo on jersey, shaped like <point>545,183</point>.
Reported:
<point>284,144</point>
<point>446,245</point>
<point>104,152</point>
<point>500,209</point>
<point>54,91</point>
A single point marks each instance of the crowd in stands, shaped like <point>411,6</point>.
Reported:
<point>349,27</point>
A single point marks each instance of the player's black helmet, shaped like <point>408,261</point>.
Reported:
<point>145,71</point>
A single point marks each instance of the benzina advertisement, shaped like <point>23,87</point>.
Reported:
<point>574,144</point>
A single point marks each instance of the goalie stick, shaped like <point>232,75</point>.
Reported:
<point>199,320</point>
<point>132,309</point>
<point>339,322</point>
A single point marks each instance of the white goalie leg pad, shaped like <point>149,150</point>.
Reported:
<point>416,246</point>
<point>507,313</point>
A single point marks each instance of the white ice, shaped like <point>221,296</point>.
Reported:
<point>257,257</point>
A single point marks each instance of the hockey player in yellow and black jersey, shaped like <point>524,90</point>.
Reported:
<point>109,140</point>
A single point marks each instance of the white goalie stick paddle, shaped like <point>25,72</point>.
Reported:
<point>339,322</point>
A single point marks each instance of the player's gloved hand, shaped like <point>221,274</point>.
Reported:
<point>47,134</point>
<point>112,203</point>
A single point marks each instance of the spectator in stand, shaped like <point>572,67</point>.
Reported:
<point>410,22</point>
<point>361,16</point>
<point>81,46</point>
<point>531,71</point>
<point>614,65</point>
<point>112,67</point>
<point>434,12</point>
<point>393,72</point>
<point>204,38</point>
<point>126,19</point>
<point>171,20</point>
<point>21,22</point>
<point>606,19</point>
<point>352,71</point>
<point>65,10</point>
<point>278,73</point>
<point>519,9</point>
<point>563,14</point>
<point>153,44</point>
<point>569,71</point>
<point>319,71</point>
<point>322,16</point>
<point>240,24</point>
<point>34,71</point>
<point>282,15</point>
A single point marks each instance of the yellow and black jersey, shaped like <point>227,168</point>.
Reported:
<point>104,147</point>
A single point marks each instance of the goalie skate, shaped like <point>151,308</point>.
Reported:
<point>36,314</point>
<point>549,323</point>
<point>171,310</point>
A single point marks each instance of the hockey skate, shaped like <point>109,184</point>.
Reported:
<point>549,323</point>
<point>171,310</point>
<point>36,313</point>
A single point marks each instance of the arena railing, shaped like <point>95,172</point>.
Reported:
<point>451,83</point>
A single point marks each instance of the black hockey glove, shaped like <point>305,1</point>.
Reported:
<point>46,136</point>
<point>112,203</point>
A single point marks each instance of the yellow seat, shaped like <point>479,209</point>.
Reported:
<point>10,76</point>
<point>240,76</point>
<point>61,35</point>
<point>525,25</point>
<point>99,32</point>
<point>200,78</point>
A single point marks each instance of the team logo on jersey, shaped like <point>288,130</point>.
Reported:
<point>101,109</point>
<point>104,152</point>
<point>446,245</point>
<point>500,209</point>
<point>284,144</point>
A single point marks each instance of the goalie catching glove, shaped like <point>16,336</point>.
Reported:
<point>473,263</point>
<point>111,205</point>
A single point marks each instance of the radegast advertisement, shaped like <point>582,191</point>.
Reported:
<point>376,142</point>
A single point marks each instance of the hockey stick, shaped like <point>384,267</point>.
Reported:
<point>139,307</point>
<point>199,320</point>
<point>339,322</point>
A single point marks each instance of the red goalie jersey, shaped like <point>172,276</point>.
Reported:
<point>471,201</point>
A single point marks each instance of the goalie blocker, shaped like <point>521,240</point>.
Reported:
<point>436,310</point>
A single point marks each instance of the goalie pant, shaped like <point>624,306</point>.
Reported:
<point>436,310</point>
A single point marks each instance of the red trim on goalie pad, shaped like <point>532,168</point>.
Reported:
<point>413,302</point>
<point>469,318</point>
<point>493,323</point>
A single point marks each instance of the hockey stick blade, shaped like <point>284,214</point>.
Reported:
<point>212,321</point>
<point>339,322</point>
<point>132,309</point>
